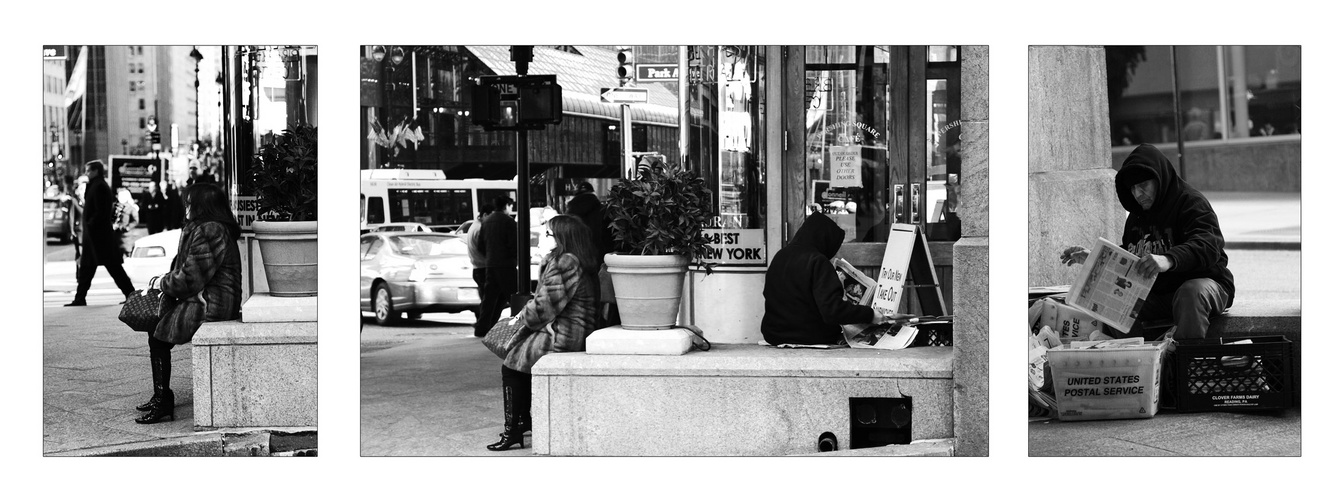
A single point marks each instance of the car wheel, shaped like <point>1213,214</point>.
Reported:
<point>382,306</point>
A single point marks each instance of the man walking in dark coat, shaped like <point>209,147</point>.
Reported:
<point>1175,232</point>
<point>101,244</point>
<point>498,244</point>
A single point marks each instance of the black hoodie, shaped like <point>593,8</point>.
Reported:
<point>1181,224</point>
<point>802,295</point>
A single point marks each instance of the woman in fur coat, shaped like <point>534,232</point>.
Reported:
<point>561,315</point>
<point>205,284</point>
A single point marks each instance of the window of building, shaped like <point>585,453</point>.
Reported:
<point>141,104</point>
<point>141,122</point>
<point>1225,92</point>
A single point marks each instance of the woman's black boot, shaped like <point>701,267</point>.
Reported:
<point>165,409</point>
<point>511,433</point>
<point>157,396</point>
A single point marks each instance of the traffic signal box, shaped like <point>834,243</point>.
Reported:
<point>626,71</point>
<point>516,102</point>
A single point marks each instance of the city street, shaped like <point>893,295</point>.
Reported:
<point>430,388</point>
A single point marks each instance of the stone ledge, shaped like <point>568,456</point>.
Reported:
<point>742,360</point>
<point>1259,317</point>
<point>239,333</point>
<point>266,308</point>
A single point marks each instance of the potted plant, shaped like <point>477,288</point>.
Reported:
<point>285,186</point>
<point>657,220</point>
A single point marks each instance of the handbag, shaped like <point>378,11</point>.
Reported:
<point>143,308</point>
<point>505,334</point>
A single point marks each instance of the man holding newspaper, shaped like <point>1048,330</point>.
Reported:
<point>1174,231</point>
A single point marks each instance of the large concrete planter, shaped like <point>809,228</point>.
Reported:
<point>647,289</point>
<point>288,250</point>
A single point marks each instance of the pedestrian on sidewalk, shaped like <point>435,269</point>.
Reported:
<point>203,285</point>
<point>498,244</point>
<point>1175,232</point>
<point>561,315</point>
<point>101,245</point>
<point>477,260</point>
<point>154,208</point>
<point>127,217</point>
<point>586,205</point>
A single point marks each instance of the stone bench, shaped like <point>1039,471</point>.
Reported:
<point>736,399</point>
<point>258,372</point>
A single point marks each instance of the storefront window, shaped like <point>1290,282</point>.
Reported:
<point>846,140</point>
<point>725,131</point>
<point>1226,92</point>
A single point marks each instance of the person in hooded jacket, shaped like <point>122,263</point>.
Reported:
<point>802,296</point>
<point>1174,230</point>
<point>586,206</point>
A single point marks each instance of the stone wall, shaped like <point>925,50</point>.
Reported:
<point>1071,186</point>
<point>971,264</point>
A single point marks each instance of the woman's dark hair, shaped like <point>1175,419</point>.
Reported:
<point>572,236</point>
<point>205,202</point>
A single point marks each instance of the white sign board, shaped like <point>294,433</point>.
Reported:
<point>893,270</point>
<point>736,246</point>
<point>845,161</point>
<point>245,210</point>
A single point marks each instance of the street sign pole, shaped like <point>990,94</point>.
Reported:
<point>522,295</point>
<point>625,124</point>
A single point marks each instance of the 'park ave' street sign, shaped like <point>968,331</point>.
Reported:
<point>623,95</point>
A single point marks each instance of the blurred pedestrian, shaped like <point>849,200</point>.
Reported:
<point>154,207</point>
<point>101,246</point>
<point>126,219</point>
<point>77,214</point>
<point>173,213</point>
<point>586,205</point>
<point>498,245</point>
<point>561,315</point>
<point>203,285</point>
<point>477,260</point>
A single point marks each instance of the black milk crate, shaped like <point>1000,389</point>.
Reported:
<point>1216,375</point>
<point>934,333</point>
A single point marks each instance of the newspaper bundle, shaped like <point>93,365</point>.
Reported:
<point>1109,288</point>
<point>859,289</point>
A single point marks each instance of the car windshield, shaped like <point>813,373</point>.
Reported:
<point>427,244</point>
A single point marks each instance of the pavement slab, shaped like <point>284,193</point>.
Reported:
<point>1254,434</point>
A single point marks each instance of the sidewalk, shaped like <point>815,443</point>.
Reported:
<point>1259,220</point>
<point>430,390</point>
<point>95,371</point>
<point>1259,434</point>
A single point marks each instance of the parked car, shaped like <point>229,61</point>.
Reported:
<point>398,226</point>
<point>152,256</point>
<point>58,218</point>
<point>415,272</point>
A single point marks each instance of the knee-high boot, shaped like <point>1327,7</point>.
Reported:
<point>165,409</point>
<point>511,433</point>
<point>157,394</point>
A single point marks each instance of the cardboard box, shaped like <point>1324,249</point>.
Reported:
<point>1070,322</point>
<point>1107,383</point>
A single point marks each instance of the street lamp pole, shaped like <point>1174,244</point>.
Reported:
<point>197,56</point>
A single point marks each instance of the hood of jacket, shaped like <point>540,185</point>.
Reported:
<point>821,233</point>
<point>583,204</point>
<point>1147,162</point>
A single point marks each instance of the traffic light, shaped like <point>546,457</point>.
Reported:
<point>516,102</point>
<point>625,70</point>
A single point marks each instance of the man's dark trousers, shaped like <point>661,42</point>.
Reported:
<point>85,276</point>
<point>499,286</point>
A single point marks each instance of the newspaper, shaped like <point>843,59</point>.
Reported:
<point>885,336</point>
<point>856,287</point>
<point>1109,288</point>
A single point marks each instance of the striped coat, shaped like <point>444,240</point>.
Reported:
<point>566,297</point>
<point>209,261</point>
